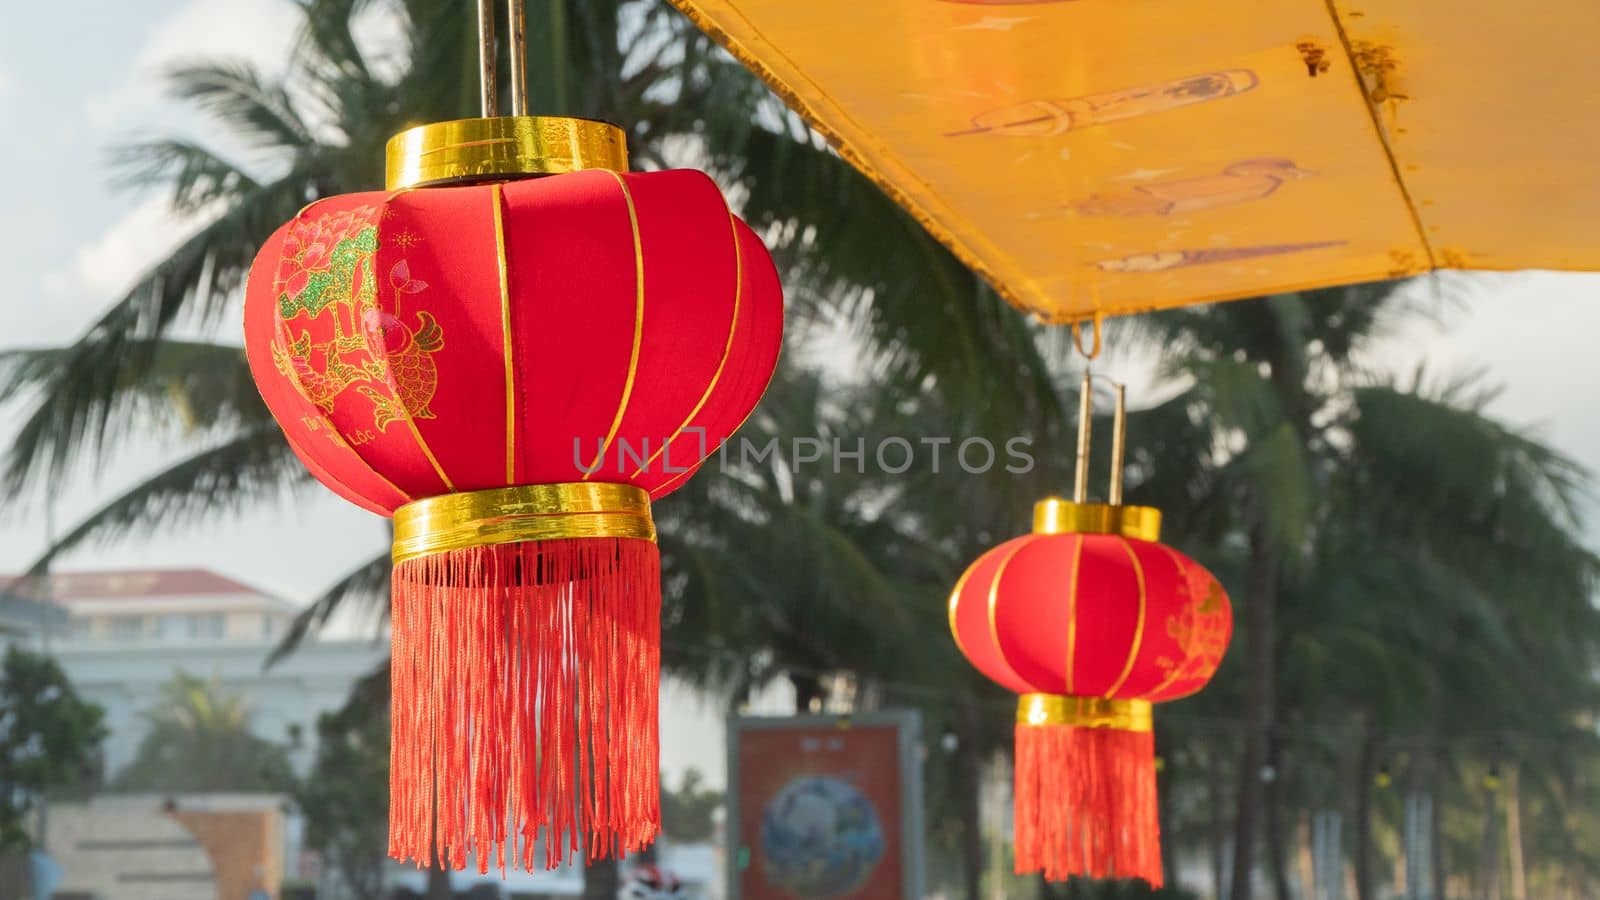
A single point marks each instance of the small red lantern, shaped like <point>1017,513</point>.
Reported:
<point>1091,621</point>
<point>513,368</point>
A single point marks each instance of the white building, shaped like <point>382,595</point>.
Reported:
<point>21,620</point>
<point>127,633</point>
<point>162,607</point>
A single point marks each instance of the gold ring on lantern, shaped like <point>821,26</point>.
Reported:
<point>501,147</point>
<point>1083,712</point>
<point>1054,515</point>
<point>534,512</point>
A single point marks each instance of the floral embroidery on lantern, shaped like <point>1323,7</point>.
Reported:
<point>321,259</point>
<point>403,357</point>
<point>333,334</point>
<point>1202,628</point>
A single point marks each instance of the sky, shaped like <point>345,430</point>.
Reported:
<point>73,242</point>
<point>77,79</point>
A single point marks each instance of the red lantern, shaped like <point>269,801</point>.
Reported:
<point>513,369</point>
<point>1091,621</point>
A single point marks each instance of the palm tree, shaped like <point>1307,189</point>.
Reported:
<point>200,740</point>
<point>1376,527</point>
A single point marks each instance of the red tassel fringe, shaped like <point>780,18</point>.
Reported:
<point>525,680</point>
<point>1086,803</point>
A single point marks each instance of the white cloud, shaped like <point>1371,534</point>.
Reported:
<point>106,266</point>
<point>8,84</point>
<point>381,36</point>
<point>80,283</point>
<point>258,31</point>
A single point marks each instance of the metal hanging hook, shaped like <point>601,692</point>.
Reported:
<point>1077,337</point>
<point>519,58</point>
<point>1080,481</point>
<point>1119,432</point>
<point>488,78</point>
<point>488,61</point>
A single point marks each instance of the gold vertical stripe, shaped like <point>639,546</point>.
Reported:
<point>423,444</point>
<point>727,350</point>
<point>1072,613</point>
<point>399,403</point>
<point>505,327</point>
<point>1138,629</point>
<point>638,327</point>
<point>994,596</point>
<point>663,488</point>
<point>772,373</point>
<point>955,597</point>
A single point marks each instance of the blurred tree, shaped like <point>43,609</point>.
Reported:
<point>345,797</point>
<point>1377,536</point>
<point>49,738</point>
<point>200,740</point>
<point>688,814</point>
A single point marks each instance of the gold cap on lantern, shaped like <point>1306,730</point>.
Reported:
<point>495,147</point>
<point>502,147</point>
<point>1056,515</point>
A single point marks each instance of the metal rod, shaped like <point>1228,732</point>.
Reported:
<point>519,58</point>
<point>1080,484</point>
<point>487,79</point>
<point>1119,429</point>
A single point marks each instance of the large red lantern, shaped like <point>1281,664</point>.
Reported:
<point>513,367</point>
<point>1091,621</point>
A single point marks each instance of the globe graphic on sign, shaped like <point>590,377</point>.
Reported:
<point>820,837</point>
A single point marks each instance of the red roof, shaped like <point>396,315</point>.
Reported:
<point>132,583</point>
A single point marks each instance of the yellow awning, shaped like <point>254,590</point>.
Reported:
<point>1122,155</point>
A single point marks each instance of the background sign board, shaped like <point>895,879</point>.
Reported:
<point>824,806</point>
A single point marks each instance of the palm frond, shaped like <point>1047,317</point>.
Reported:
<point>200,277</point>
<point>1283,488</point>
<point>84,408</point>
<point>1494,485</point>
<point>223,480</point>
<point>195,176</point>
<point>366,585</point>
<point>240,99</point>
<point>1241,402</point>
